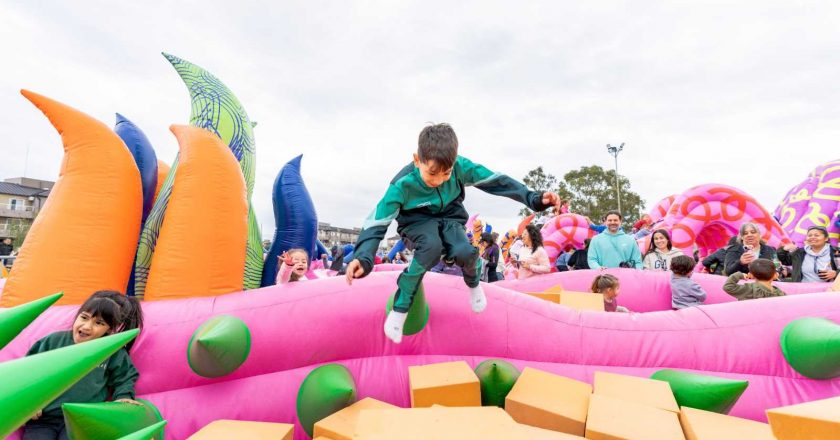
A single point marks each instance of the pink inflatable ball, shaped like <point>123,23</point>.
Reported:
<point>563,231</point>
<point>660,209</point>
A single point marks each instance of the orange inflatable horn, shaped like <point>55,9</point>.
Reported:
<point>163,171</point>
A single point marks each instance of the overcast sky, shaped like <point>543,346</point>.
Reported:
<point>742,93</point>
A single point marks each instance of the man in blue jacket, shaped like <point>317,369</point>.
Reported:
<point>614,248</point>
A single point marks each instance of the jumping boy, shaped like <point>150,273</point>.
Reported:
<point>426,198</point>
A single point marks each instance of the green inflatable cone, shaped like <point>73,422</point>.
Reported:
<point>496,377</point>
<point>108,420</point>
<point>219,346</point>
<point>418,313</point>
<point>14,320</point>
<point>39,379</point>
<point>812,347</point>
<point>698,391</point>
<point>326,390</point>
<point>152,432</point>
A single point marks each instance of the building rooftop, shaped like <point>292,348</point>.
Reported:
<point>19,190</point>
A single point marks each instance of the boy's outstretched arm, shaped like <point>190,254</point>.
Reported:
<point>502,185</point>
<point>373,231</point>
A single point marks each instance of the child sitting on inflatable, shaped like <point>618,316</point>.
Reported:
<point>100,315</point>
<point>685,292</point>
<point>608,286</point>
<point>426,198</point>
<point>293,266</point>
<point>763,271</point>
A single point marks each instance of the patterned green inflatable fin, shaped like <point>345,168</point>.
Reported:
<point>150,232</point>
<point>215,108</point>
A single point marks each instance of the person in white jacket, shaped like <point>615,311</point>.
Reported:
<point>660,252</point>
<point>533,259</point>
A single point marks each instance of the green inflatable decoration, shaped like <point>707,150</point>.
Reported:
<point>698,391</point>
<point>418,314</point>
<point>326,390</point>
<point>219,346</point>
<point>108,420</point>
<point>812,347</point>
<point>152,432</point>
<point>39,379</point>
<point>14,320</point>
<point>496,377</point>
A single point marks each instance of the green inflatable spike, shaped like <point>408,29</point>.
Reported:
<point>418,314</point>
<point>496,377</point>
<point>108,420</point>
<point>812,347</point>
<point>698,391</point>
<point>327,389</point>
<point>219,346</point>
<point>152,432</point>
<point>39,379</point>
<point>14,320</point>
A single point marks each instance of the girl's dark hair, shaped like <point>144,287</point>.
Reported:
<point>604,282</point>
<point>488,238</point>
<point>535,236</point>
<point>129,314</point>
<point>652,247</point>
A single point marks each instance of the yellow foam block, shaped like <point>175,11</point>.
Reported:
<point>321,437</point>
<point>342,424</point>
<point>656,393</point>
<point>549,401</point>
<point>486,423</point>
<point>447,384</point>
<point>615,419</point>
<point>548,296</point>
<point>582,300</point>
<point>554,289</point>
<point>706,425</point>
<point>815,420</point>
<point>533,433</point>
<point>835,286</point>
<point>228,429</point>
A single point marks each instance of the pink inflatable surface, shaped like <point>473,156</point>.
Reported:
<point>298,326</point>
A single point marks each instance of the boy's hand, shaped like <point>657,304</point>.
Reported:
<point>38,415</point>
<point>749,276</point>
<point>550,198</point>
<point>354,270</point>
<point>129,401</point>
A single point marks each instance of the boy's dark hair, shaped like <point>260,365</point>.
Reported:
<point>682,265</point>
<point>762,269</point>
<point>438,143</point>
<point>612,212</point>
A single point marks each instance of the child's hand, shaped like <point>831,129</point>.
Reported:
<point>749,276</point>
<point>38,415</point>
<point>285,258</point>
<point>129,401</point>
<point>550,198</point>
<point>354,270</point>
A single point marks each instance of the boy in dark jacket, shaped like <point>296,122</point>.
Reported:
<point>426,198</point>
<point>763,271</point>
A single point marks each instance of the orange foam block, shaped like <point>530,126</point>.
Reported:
<point>582,300</point>
<point>706,425</point>
<point>549,401</point>
<point>342,424</point>
<point>815,420</point>
<point>554,289</point>
<point>615,419</point>
<point>533,433</point>
<point>656,393</point>
<point>548,296</point>
<point>486,423</point>
<point>447,384</point>
<point>228,429</point>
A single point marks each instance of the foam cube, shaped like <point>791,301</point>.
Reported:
<point>549,401</point>
<point>486,423</point>
<point>554,289</point>
<point>342,424</point>
<point>615,419</point>
<point>228,429</point>
<point>447,384</point>
<point>547,296</point>
<point>815,420</point>
<point>582,300</point>
<point>656,393</point>
<point>706,425</point>
<point>529,432</point>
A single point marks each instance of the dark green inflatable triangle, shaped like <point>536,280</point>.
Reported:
<point>812,347</point>
<point>418,313</point>
<point>39,379</point>
<point>14,320</point>
<point>326,390</point>
<point>152,432</point>
<point>496,377</point>
<point>710,393</point>
<point>219,346</point>
<point>107,420</point>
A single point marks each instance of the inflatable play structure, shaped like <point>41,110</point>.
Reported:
<point>813,202</point>
<point>563,231</point>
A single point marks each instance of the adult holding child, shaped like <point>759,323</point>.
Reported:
<point>748,248</point>
<point>660,252</point>
<point>614,248</point>
<point>814,263</point>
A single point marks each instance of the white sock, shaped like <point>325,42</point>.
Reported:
<point>477,299</point>
<point>394,325</point>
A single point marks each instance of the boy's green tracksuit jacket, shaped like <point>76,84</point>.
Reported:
<point>409,200</point>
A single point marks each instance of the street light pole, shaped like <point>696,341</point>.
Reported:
<point>614,152</point>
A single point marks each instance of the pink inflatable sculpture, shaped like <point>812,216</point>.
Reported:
<point>660,209</point>
<point>813,202</point>
<point>565,230</point>
<point>298,326</point>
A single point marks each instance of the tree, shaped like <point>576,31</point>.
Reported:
<point>538,180</point>
<point>18,233</point>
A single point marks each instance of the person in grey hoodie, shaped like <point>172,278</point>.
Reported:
<point>685,292</point>
<point>660,252</point>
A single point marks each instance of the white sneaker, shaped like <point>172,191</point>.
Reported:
<point>477,299</point>
<point>394,326</point>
